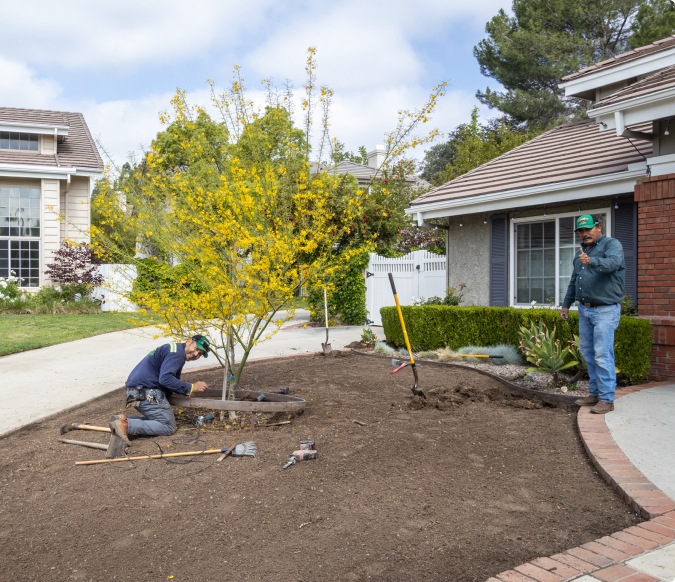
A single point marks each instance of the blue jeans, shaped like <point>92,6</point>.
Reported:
<point>157,419</point>
<point>596,340</point>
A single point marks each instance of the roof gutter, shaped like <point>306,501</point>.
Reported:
<point>594,187</point>
<point>14,171</point>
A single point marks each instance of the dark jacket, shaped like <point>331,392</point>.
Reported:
<point>161,369</point>
<point>603,281</point>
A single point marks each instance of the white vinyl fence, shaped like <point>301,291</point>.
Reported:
<point>117,283</point>
<point>419,274</point>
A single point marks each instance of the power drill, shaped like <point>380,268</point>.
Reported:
<point>201,419</point>
<point>306,452</point>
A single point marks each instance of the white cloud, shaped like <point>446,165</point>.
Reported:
<point>21,87</point>
<point>117,61</point>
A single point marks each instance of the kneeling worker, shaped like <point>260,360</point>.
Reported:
<point>149,384</point>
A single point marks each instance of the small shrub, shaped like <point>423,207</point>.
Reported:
<point>368,337</point>
<point>544,351</point>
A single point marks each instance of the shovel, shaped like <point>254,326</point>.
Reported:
<point>415,387</point>
<point>326,347</point>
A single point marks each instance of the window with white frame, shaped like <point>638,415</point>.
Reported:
<point>13,140</point>
<point>20,234</point>
<point>542,249</point>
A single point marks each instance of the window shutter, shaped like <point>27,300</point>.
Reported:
<point>499,272</point>
<point>625,231</point>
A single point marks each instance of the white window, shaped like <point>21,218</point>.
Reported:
<point>12,140</point>
<point>20,234</point>
<point>542,249</point>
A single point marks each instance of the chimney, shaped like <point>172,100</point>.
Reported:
<point>376,157</point>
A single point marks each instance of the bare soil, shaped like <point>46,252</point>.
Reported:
<point>474,480</point>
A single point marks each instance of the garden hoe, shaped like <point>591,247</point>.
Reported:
<point>248,449</point>
<point>415,388</point>
<point>326,347</point>
<point>114,449</point>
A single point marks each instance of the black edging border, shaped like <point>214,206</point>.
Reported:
<point>548,397</point>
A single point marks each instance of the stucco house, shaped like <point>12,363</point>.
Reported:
<point>509,222</point>
<point>48,166</point>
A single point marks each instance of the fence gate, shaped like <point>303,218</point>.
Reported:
<point>417,274</point>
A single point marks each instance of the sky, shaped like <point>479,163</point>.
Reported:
<point>119,62</point>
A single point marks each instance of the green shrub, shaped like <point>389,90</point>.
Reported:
<point>544,351</point>
<point>347,303</point>
<point>431,327</point>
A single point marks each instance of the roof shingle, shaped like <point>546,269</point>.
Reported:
<point>78,150</point>
<point>568,152</point>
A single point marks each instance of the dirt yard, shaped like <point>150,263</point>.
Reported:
<point>473,481</point>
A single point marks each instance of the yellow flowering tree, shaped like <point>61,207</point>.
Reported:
<point>231,219</point>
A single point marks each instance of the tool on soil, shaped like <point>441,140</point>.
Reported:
<point>326,347</point>
<point>477,356</point>
<point>306,452</point>
<point>298,456</point>
<point>205,419</point>
<point>415,387</point>
<point>248,449</point>
<point>82,426</point>
<point>114,449</point>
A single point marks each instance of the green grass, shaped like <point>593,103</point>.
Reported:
<point>20,333</point>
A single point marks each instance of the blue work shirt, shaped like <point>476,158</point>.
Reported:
<point>161,368</point>
<point>604,280</point>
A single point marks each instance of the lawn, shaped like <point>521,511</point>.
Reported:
<point>27,332</point>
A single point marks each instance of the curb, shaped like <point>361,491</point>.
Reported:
<point>606,556</point>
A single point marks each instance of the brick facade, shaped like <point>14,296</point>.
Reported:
<point>655,198</point>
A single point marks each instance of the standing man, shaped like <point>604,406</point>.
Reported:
<point>149,384</point>
<point>597,283</point>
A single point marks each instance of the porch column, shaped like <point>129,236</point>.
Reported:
<point>655,198</point>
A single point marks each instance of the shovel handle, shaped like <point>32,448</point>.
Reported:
<point>400,316</point>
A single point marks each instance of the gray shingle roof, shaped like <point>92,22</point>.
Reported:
<point>659,81</point>
<point>638,53</point>
<point>569,152</point>
<point>77,150</point>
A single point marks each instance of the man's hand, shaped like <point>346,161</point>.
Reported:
<point>584,258</point>
<point>199,387</point>
<point>564,313</point>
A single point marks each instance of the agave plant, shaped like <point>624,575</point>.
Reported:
<point>544,351</point>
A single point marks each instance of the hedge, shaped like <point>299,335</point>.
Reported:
<point>431,327</point>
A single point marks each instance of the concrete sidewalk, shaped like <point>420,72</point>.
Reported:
<point>39,383</point>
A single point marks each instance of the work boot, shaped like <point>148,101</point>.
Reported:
<point>119,425</point>
<point>602,407</point>
<point>586,401</point>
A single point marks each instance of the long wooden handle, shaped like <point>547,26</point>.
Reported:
<point>80,426</point>
<point>162,456</point>
<point>400,316</point>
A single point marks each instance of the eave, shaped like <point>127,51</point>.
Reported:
<point>555,193</point>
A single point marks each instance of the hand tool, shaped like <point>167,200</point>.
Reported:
<point>415,388</point>
<point>82,426</point>
<point>300,455</point>
<point>249,448</point>
<point>476,356</point>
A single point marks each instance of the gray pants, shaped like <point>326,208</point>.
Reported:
<point>157,417</point>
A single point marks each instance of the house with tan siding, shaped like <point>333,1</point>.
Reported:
<point>509,222</point>
<point>49,164</point>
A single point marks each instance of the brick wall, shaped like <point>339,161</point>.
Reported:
<point>655,198</point>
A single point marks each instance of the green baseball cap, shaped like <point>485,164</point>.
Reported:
<point>202,344</point>
<point>586,221</point>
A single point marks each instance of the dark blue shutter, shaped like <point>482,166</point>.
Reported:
<point>624,220</point>
<point>499,268</point>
